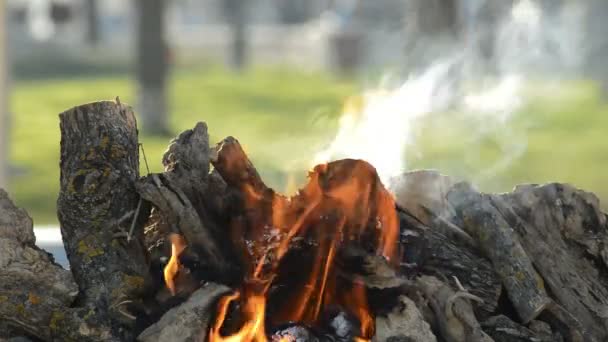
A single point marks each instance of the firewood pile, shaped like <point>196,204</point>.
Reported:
<point>205,251</point>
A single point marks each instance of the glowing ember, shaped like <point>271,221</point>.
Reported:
<point>344,201</point>
<point>172,268</point>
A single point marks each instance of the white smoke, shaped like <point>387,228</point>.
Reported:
<point>380,128</point>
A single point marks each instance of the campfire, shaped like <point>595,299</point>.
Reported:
<point>205,251</point>
<point>290,247</point>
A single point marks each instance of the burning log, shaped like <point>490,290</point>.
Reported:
<point>191,201</point>
<point>344,202</point>
<point>97,202</point>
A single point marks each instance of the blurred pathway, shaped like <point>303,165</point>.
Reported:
<point>49,238</point>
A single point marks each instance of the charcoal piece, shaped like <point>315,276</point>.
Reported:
<point>294,333</point>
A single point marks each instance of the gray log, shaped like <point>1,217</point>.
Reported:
<point>503,329</point>
<point>453,312</point>
<point>565,233</point>
<point>501,245</point>
<point>32,285</point>
<point>432,251</point>
<point>97,200</point>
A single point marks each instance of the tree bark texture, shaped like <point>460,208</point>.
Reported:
<point>97,201</point>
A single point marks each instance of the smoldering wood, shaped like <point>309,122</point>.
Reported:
<point>501,245</point>
<point>189,321</point>
<point>297,333</point>
<point>191,201</point>
<point>422,193</point>
<point>235,168</point>
<point>181,216</point>
<point>99,166</point>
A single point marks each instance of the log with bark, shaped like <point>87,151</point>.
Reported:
<point>530,265</point>
<point>97,202</point>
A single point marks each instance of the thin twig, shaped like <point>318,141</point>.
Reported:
<point>458,284</point>
<point>132,229</point>
<point>143,152</point>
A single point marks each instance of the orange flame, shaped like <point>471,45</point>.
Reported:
<point>343,201</point>
<point>254,310</point>
<point>178,244</point>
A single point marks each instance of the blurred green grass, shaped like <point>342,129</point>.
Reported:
<point>283,116</point>
<point>559,134</point>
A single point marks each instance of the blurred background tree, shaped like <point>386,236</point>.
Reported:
<point>4,92</point>
<point>92,19</point>
<point>152,66</point>
<point>235,12</point>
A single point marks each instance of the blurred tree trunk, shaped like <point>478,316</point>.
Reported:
<point>152,66</point>
<point>236,15</point>
<point>93,34</point>
<point>432,30</point>
<point>436,17</point>
<point>294,11</point>
<point>4,108</point>
<point>596,42</point>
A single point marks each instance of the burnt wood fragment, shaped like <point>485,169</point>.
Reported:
<point>190,201</point>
